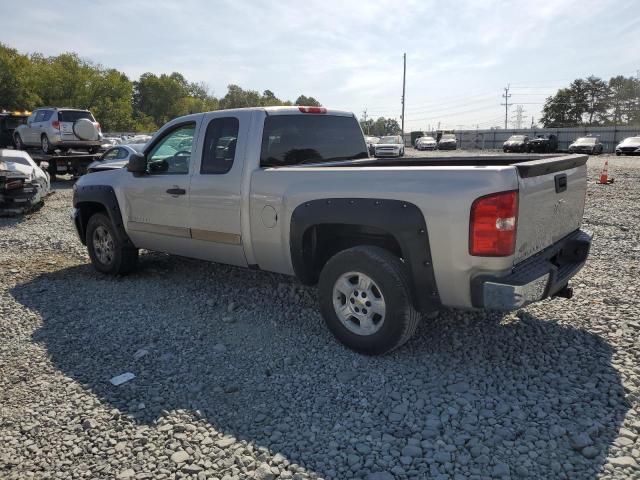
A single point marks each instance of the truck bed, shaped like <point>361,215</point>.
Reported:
<point>527,165</point>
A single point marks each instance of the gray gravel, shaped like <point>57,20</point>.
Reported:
<point>236,376</point>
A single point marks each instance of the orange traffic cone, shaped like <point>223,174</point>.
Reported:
<point>604,175</point>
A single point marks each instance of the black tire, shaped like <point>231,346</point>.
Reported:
<point>617,154</point>
<point>123,259</point>
<point>391,279</point>
<point>17,142</point>
<point>45,145</point>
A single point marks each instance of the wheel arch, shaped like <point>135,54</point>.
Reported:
<point>92,199</point>
<point>321,228</point>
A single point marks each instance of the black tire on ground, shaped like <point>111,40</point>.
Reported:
<point>617,154</point>
<point>52,169</point>
<point>391,279</point>
<point>123,259</point>
<point>17,142</point>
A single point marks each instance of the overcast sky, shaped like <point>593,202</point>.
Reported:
<point>348,54</point>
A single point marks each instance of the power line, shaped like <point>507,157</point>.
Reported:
<point>404,78</point>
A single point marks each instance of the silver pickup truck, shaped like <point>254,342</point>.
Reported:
<point>293,190</point>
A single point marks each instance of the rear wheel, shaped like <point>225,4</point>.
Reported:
<point>365,300</point>
<point>45,144</point>
<point>107,252</point>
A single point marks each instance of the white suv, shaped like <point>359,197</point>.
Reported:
<point>53,128</point>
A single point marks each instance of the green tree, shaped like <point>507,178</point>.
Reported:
<point>305,101</point>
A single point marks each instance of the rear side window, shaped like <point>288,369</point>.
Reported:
<point>74,115</point>
<point>219,145</point>
<point>297,139</point>
<point>47,115</point>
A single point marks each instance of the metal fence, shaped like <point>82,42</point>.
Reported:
<point>493,139</point>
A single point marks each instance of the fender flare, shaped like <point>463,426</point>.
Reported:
<point>402,220</point>
<point>106,197</point>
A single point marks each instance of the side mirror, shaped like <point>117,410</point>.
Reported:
<point>137,164</point>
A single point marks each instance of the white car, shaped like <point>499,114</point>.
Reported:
<point>115,157</point>
<point>629,146</point>
<point>426,143</point>
<point>390,146</point>
<point>23,184</point>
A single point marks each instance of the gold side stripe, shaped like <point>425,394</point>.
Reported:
<point>159,229</point>
<point>218,237</point>
<point>206,235</point>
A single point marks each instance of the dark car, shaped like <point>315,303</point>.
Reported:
<point>588,145</point>
<point>9,121</point>
<point>516,143</point>
<point>544,144</point>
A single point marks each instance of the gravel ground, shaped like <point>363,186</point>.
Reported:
<point>236,376</point>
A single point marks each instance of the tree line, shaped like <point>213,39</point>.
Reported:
<point>380,127</point>
<point>29,81</point>
<point>594,102</point>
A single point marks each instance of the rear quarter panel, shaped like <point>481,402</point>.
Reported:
<point>443,194</point>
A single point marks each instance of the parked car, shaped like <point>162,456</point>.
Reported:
<point>590,145</point>
<point>389,146</point>
<point>115,157</point>
<point>9,121</point>
<point>629,146</point>
<point>300,196</point>
<point>544,143</point>
<point>53,128</point>
<point>448,141</point>
<point>371,144</point>
<point>23,184</point>
<point>516,143</point>
<point>426,143</point>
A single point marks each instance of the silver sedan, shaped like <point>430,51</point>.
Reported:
<point>115,157</point>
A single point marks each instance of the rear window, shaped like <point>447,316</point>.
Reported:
<point>74,115</point>
<point>297,139</point>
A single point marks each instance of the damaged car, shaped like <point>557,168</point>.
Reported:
<point>23,184</point>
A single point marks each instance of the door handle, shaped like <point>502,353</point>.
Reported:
<point>176,191</point>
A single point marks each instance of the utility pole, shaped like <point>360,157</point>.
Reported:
<point>404,78</point>
<point>364,114</point>
<point>506,95</point>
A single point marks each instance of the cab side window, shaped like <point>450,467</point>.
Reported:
<point>219,146</point>
<point>172,154</point>
<point>39,116</point>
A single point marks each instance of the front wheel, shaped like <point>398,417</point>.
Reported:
<point>107,252</point>
<point>17,142</point>
<point>365,300</point>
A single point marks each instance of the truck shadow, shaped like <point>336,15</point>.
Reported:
<point>475,390</point>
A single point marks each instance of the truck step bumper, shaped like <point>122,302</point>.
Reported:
<point>546,274</point>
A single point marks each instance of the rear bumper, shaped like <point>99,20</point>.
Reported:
<point>76,143</point>
<point>539,277</point>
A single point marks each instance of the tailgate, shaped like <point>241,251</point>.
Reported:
<point>550,203</point>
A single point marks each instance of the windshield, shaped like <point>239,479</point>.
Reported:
<point>14,122</point>
<point>372,139</point>
<point>516,138</point>
<point>631,140</point>
<point>586,141</point>
<point>448,136</point>
<point>389,140</point>
<point>426,139</point>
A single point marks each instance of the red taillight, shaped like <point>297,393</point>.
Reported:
<point>312,109</point>
<point>56,124</point>
<point>492,225</point>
